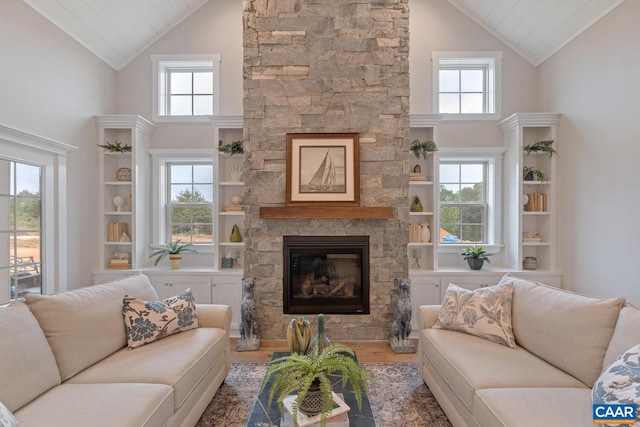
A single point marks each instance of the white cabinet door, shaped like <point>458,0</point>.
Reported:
<point>424,291</point>
<point>228,290</point>
<point>170,285</point>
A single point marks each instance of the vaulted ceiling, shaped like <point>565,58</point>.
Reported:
<point>118,30</point>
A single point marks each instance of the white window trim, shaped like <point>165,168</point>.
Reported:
<point>159,160</point>
<point>494,158</point>
<point>52,156</point>
<point>492,59</point>
<point>157,89</point>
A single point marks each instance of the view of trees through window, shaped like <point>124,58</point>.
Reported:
<point>462,202</point>
<point>190,216</point>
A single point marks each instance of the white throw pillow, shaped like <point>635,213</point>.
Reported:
<point>6,417</point>
<point>620,382</point>
<point>485,313</point>
<point>148,321</point>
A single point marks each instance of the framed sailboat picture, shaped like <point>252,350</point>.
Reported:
<point>323,169</point>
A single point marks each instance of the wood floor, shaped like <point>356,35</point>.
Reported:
<point>367,351</point>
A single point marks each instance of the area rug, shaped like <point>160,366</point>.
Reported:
<point>397,394</point>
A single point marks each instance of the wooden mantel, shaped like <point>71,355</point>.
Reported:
<point>347,212</point>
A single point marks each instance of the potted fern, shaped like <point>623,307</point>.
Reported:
<point>174,251</point>
<point>308,375</point>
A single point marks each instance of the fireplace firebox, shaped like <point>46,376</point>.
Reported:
<point>326,274</point>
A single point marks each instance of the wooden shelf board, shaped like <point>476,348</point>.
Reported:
<point>347,212</point>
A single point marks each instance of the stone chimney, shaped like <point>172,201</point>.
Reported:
<point>319,66</point>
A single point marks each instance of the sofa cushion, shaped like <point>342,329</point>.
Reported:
<point>626,334</point>
<point>180,361</point>
<point>27,365</point>
<point>6,417</point>
<point>533,407</point>
<point>148,321</point>
<point>485,313</point>
<point>568,330</point>
<point>469,363</point>
<point>100,405</point>
<point>85,325</point>
<point>620,382</point>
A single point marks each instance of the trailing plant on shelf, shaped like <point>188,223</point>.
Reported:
<point>476,256</point>
<point>530,173</point>
<point>115,147</point>
<point>171,249</point>
<point>302,373</point>
<point>234,147</point>
<point>540,146</point>
<point>422,148</point>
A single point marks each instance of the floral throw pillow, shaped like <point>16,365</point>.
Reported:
<point>485,313</point>
<point>620,382</point>
<point>6,417</point>
<point>148,321</point>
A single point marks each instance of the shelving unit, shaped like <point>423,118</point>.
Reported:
<point>128,190</point>
<point>531,205</point>
<point>423,255</point>
<point>230,189</point>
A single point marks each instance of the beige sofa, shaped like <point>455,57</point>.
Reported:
<point>564,341</point>
<point>65,361</point>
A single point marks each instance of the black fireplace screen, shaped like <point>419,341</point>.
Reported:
<point>326,274</point>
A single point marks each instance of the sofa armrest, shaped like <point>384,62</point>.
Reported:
<point>214,316</point>
<point>427,316</point>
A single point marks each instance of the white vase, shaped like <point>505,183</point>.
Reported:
<point>425,233</point>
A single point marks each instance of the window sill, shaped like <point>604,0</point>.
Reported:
<point>471,117</point>
<point>454,248</point>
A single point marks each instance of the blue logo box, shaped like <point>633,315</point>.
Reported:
<point>620,414</point>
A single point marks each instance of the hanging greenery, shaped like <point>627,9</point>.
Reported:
<point>422,148</point>
<point>235,147</point>
<point>116,147</point>
<point>540,146</point>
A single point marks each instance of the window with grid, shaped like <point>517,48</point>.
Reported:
<point>190,202</point>
<point>463,90</point>
<point>186,87</point>
<point>463,201</point>
<point>467,85</point>
<point>189,91</point>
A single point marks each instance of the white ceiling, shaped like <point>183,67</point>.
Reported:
<point>118,30</point>
<point>536,29</point>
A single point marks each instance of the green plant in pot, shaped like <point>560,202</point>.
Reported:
<point>475,256</point>
<point>174,251</point>
<point>422,148</point>
<point>530,173</point>
<point>309,374</point>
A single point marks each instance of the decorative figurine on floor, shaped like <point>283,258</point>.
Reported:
<point>249,331</point>
<point>401,325</point>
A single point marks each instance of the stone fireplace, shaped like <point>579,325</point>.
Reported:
<point>326,274</point>
<point>319,66</point>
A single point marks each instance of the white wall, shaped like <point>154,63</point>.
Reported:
<point>435,25</point>
<point>593,82</point>
<point>52,86</point>
<point>214,28</point>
